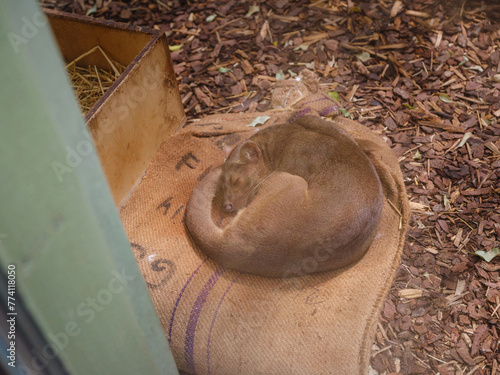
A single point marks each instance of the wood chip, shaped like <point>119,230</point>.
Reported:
<point>410,293</point>
<point>396,8</point>
<point>417,14</point>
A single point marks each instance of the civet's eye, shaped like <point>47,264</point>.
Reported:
<point>234,181</point>
<point>229,207</point>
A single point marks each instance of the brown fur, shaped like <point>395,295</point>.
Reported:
<point>293,199</point>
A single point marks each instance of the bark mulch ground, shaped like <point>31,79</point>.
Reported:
<point>425,75</point>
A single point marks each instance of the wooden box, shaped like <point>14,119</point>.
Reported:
<point>141,109</point>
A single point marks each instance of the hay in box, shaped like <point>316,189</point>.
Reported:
<point>91,82</point>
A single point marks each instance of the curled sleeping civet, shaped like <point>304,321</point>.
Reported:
<point>293,199</point>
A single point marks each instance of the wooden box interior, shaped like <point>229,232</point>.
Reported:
<point>141,109</point>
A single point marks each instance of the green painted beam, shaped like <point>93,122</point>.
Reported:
<point>75,270</point>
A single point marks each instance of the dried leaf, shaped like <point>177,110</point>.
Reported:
<point>91,10</point>
<point>224,70</point>
<point>465,60</point>
<point>475,67</point>
<point>280,75</point>
<point>210,18</point>
<point>303,47</point>
<point>175,47</point>
<point>464,139</point>
<point>363,56</point>
<point>260,120</point>
<point>488,255</point>
<point>446,201</point>
<point>491,146</point>
<point>334,95</point>
<point>445,98</point>
<point>253,9</point>
<point>346,113</point>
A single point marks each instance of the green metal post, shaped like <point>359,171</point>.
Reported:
<point>59,230</point>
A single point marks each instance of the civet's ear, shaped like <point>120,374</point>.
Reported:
<point>227,151</point>
<point>250,152</point>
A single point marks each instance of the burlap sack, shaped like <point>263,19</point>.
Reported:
<point>220,321</point>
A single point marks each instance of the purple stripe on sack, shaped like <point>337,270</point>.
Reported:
<point>329,110</point>
<point>214,318</point>
<point>179,299</point>
<point>300,113</point>
<point>193,319</point>
<point>313,101</point>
